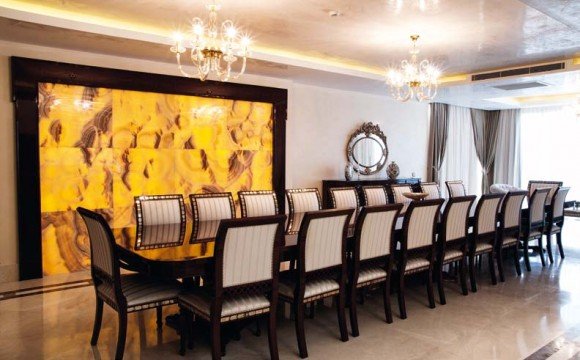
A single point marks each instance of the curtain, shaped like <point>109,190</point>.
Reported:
<point>549,146</point>
<point>485,125</point>
<point>437,139</point>
<point>507,169</point>
<point>460,161</point>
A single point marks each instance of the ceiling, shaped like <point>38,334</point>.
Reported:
<point>297,39</point>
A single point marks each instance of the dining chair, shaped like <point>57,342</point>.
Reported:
<point>258,203</point>
<point>375,195</point>
<point>372,256</point>
<point>452,241</point>
<point>455,188</point>
<point>321,269</point>
<point>345,198</point>
<point>161,221</point>
<point>431,188</point>
<point>123,293</point>
<point>510,220</point>
<point>555,222</point>
<point>537,184</point>
<point>210,208</point>
<point>244,283</point>
<point>301,201</point>
<point>533,224</point>
<point>417,251</point>
<point>397,191</point>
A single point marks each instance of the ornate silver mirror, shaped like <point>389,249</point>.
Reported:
<point>367,150</point>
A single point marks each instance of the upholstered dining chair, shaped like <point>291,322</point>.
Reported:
<point>555,222</point>
<point>397,191</point>
<point>245,280</point>
<point>210,208</point>
<point>345,198</point>
<point>321,270</point>
<point>375,195</point>
<point>258,203</point>
<point>484,236</point>
<point>431,188</point>
<point>123,293</point>
<point>160,221</point>
<point>533,225</point>
<point>455,188</point>
<point>372,256</point>
<point>510,219</point>
<point>537,184</point>
<point>417,252</point>
<point>301,201</point>
<point>452,241</point>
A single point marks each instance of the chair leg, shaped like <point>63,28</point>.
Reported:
<point>216,345</point>
<point>352,313</point>
<point>159,318</point>
<point>401,294</point>
<point>430,292</point>
<point>97,323</point>
<point>387,300</point>
<point>341,312</point>
<point>500,264</point>
<point>479,261</point>
<point>122,335</point>
<point>463,276</point>
<point>491,261</point>
<point>472,273</point>
<point>549,248</point>
<point>527,255</point>
<point>439,271</point>
<point>258,331</point>
<point>560,247</point>
<point>272,337</point>
<point>312,310</point>
<point>517,262</point>
<point>184,330</point>
<point>541,249</point>
<point>299,324</point>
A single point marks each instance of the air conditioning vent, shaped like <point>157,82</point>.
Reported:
<point>519,71</point>
<point>520,86</point>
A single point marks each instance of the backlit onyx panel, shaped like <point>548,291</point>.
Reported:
<point>101,147</point>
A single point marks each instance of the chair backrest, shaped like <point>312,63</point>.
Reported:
<point>456,218</point>
<point>432,189</point>
<point>537,184</point>
<point>486,214</point>
<point>375,195</point>
<point>303,200</point>
<point>322,239</point>
<point>511,210</point>
<point>159,209</point>
<point>558,202</point>
<point>455,188</point>
<point>420,224</point>
<point>258,203</point>
<point>210,207</point>
<point>375,230</point>
<point>247,251</point>
<point>397,190</point>
<point>537,206</point>
<point>345,198</point>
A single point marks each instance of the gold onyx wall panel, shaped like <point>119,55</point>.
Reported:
<point>101,147</point>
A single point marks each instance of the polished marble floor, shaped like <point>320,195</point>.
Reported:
<point>536,316</point>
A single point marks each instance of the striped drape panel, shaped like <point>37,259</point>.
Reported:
<point>513,211</point>
<point>487,217</point>
<point>537,208</point>
<point>157,212</point>
<point>324,243</point>
<point>420,232</point>
<point>375,237</point>
<point>456,220</point>
<point>248,254</point>
<point>214,208</point>
<point>101,252</point>
<point>260,204</point>
<point>432,190</point>
<point>559,203</point>
<point>375,196</point>
<point>305,201</point>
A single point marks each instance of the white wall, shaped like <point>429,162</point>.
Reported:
<point>319,123</point>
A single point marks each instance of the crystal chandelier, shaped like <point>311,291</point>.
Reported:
<point>414,80</point>
<point>213,49</point>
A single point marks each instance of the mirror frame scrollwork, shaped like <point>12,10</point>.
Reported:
<point>372,131</point>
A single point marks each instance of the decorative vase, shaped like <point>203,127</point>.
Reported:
<point>348,172</point>
<point>393,170</point>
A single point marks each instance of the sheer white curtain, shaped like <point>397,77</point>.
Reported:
<point>460,162</point>
<point>507,169</point>
<point>550,146</point>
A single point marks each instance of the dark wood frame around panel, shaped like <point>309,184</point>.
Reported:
<point>28,73</point>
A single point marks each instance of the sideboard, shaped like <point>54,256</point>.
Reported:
<point>358,184</point>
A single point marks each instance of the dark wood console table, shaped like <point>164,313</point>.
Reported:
<point>358,184</point>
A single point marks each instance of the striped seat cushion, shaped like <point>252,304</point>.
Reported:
<point>417,263</point>
<point>232,308</point>
<point>533,235</point>
<point>482,247</point>
<point>143,292</point>
<point>371,274</point>
<point>453,254</point>
<point>509,241</point>
<point>556,229</point>
<point>314,288</point>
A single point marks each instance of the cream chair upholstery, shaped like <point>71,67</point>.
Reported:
<point>160,221</point>
<point>345,198</point>
<point>455,188</point>
<point>375,195</point>
<point>258,203</point>
<point>533,185</point>
<point>510,229</point>
<point>432,189</point>
<point>210,208</point>
<point>303,200</point>
<point>398,197</point>
<point>555,222</point>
